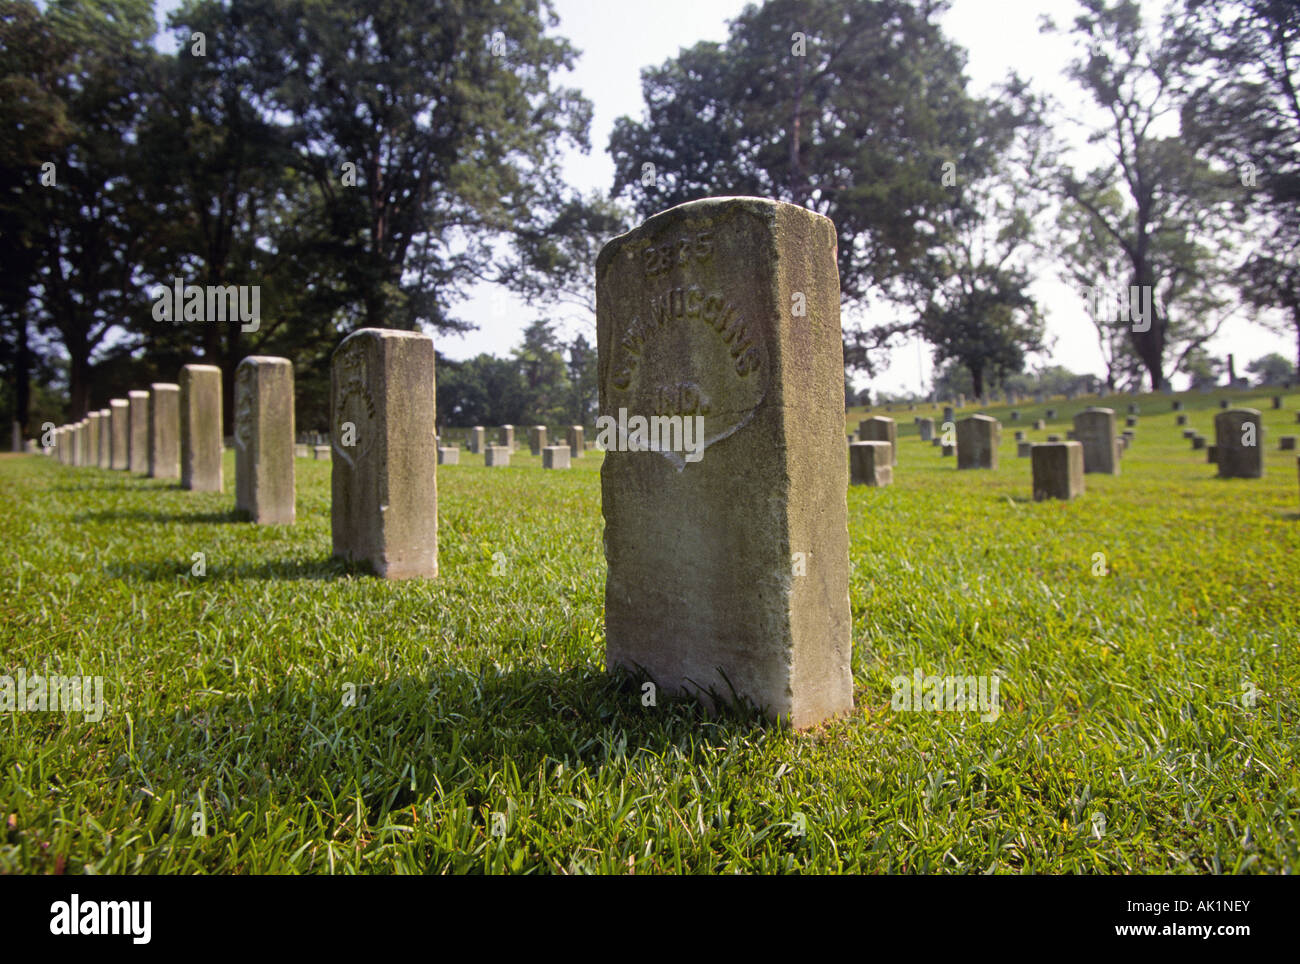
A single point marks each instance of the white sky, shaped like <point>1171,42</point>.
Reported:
<point>617,38</point>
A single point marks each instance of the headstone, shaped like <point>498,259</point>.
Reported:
<point>555,457</point>
<point>477,439</point>
<point>384,487</point>
<point>448,456</point>
<point>119,433</point>
<point>322,453</point>
<point>871,463</point>
<point>1054,438</point>
<point>1223,403</point>
<point>105,454</point>
<point>1131,421</point>
<point>1178,406</point>
<point>164,431</point>
<point>575,439</point>
<point>1189,433</point>
<point>1057,470</point>
<point>946,448</point>
<point>1023,449</point>
<point>94,425</point>
<point>978,438</point>
<point>1132,409</point>
<point>1050,414</point>
<point>947,413</point>
<point>878,428</point>
<point>137,439</point>
<point>79,444</point>
<point>961,401</point>
<point>729,575</point>
<point>1198,442</point>
<point>506,437</point>
<point>537,439</point>
<point>1020,435</point>
<point>1095,429</point>
<point>1277,401</point>
<point>31,447</point>
<point>201,428</point>
<point>302,451</point>
<point>496,456</point>
<point>1212,454</point>
<point>1039,425</point>
<point>264,473</point>
<point>925,427</point>
<point>1180,420</point>
<point>1288,443</point>
<point>1015,416</point>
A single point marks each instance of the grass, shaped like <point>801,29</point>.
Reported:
<point>482,693</point>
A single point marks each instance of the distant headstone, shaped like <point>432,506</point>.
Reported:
<point>1054,438</point>
<point>1198,442</point>
<point>119,433</point>
<point>1050,414</point>
<point>1277,401</point>
<point>477,439</point>
<point>1131,421</point>
<point>321,453</point>
<point>506,437</point>
<point>1288,443</point>
<point>946,448</point>
<point>164,431</point>
<point>449,455</point>
<point>1178,406</point>
<point>555,457</point>
<point>925,428</point>
<point>871,463</point>
<point>1180,420</point>
<point>1015,416</point>
<point>1223,403</point>
<point>496,457</point>
<point>1057,470</point>
<point>1023,449</point>
<point>1020,435</point>
<point>93,430</point>
<point>105,455</point>
<point>137,439</point>
<point>978,437</point>
<point>264,471</point>
<point>200,428</point>
<point>1133,409</point>
<point>1039,425</point>
<point>878,428</point>
<point>947,413</point>
<point>1212,454</point>
<point>384,508</point>
<point>575,439</point>
<point>537,439</point>
<point>1095,429</point>
<point>729,575</point>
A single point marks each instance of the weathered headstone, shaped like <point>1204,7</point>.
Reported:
<point>119,433</point>
<point>1288,443</point>
<point>137,443</point>
<point>1133,409</point>
<point>201,443</point>
<point>264,472</point>
<point>1015,416</point>
<point>1020,435</point>
<point>104,457</point>
<point>1180,420</point>
<point>1178,406</point>
<point>1198,442</point>
<point>574,437</point>
<point>1277,401</point>
<point>1131,421</point>
<point>947,413</point>
<point>477,440</point>
<point>448,456</point>
<point>537,439</point>
<point>555,457</point>
<point>1050,414</point>
<point>322,453</point>
<point>93,428</point>
<point>1054,438</point>
<point>1212,454</point>
<point>879,428</point>
<point>164,431</point>
<point>1039,425</point>
<point>947,448</point>
<point>1057,470</point>
<point>506,437</point>
<point>496,456</point>
<point>1223,403</point>
<point>1095,429</point>
<point>978,438</point>
<point>871,463</point>
<point>729,575</point>
<point>1023,449</point>
<point>925,427</point>
<point>384,487</point>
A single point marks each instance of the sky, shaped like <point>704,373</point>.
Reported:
<point>616,38</point>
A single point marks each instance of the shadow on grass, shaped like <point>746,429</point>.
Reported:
<point>340,736</point>
<point>156,517</point>
<point>168,570</point>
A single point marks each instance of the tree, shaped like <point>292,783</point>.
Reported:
<point>1173,217</point>
<point>849,109</point>
<point>1271,369</point>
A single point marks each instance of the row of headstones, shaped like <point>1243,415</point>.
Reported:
<point>497,456</point>
<point>163,433</point>
<point>1058,466</point>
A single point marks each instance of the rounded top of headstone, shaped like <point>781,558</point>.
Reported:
<point>118,403</point>
<point>385,334</point>
<point>141,393</point>
<point>1099,409</point>
<point>264,360</point>
<point>164,387</point>
<point>200,368</point>
<point>979,418</point>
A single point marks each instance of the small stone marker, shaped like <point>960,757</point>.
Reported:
<point>1039,425</point>
<point>537,439</point>
<point>137,440</point>
<point>1212,454</point>
<point>1178,407</point>
<point>575,439</point>
<point>105,454</point>
<point>201,443</point>
<point>871,463</point>
<point>1058,470</point>
<point>1050,414</point>
<point>1277,401</point>
<point>1198,442</point>
<point>1287,443</point>
<point>264,473</point>
<point>1239,437</point>
<point>1095,429</point>
<point>119,433</point>
<point>1023,449</point>
<point>1131,421</point>
<point>555,457</point>
<point>1015,416</point>
<point>477,440</point>
<point>1189,433</point>
<point>91,455</point>
<point>321,453</point>
<point>448,456</point>
<point>1133,410</point>
<point>496,457</point>
<point>384,486</point>
<point>729,575</point>
<point>978,437</point>
<point>925,426</point>
<point>946,448</point>
<point>1223,403</point>
<point>1054,438</point>
<point>1180,420</point>
<point>947,413</point>
<point>506,436</point>
<point>879,428</point>
<point>1020,435</point>
<point>164,431</point>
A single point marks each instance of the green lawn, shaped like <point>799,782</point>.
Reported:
<point>482,692</point>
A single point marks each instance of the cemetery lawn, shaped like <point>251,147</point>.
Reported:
<point>1161,696</point>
